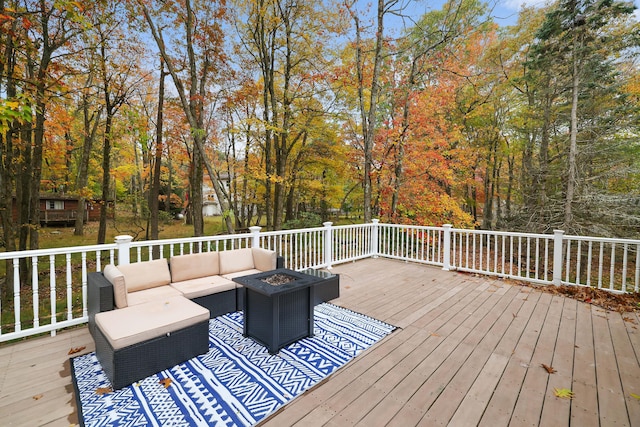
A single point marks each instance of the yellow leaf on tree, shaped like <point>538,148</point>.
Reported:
<point>563,393</point>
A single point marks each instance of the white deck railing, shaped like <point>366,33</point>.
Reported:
<point>38,283</point>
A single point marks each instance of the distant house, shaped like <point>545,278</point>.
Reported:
<point>58,208</point>
<point>210,203</point>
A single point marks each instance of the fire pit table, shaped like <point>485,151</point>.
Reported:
<point>278,306</point>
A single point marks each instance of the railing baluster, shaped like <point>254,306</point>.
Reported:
<point>503,253</point>
<point>69,289</point>
<point>528,273</point>
<point>578,261</point>
<point>495,255</point>
<point>624,268</point>
<point>16,295</point>
<point>519,255</point>
<point>84,284</point>
<point>600,265</point>
<point>546,259</point>
<point>568,262</point>
<point>510,255</point>
<point>52,292</point>
<point>481,251</point>
<point>490,244</point>
<point>98,261</point>
<point>612,263</point>
<point>34,286</point>
<point>590,261</point>
<point>474,251</point>
<point>537,266</point>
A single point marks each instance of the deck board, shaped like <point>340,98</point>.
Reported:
<point>467,351</point>
<point>611,400</point>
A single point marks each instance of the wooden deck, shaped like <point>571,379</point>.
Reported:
<point>468,352</point>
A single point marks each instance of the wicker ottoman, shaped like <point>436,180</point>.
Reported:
<point>135,342</point>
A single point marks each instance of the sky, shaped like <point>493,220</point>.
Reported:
<point>505,11</point>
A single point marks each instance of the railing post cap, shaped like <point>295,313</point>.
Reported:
<point>255,228</point>
<point>447,225</point>
<point>327,224</point>
<point>375,220</point>
<point>125,238</point>
<point>558,231</point>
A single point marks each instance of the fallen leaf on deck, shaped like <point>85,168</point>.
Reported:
<point>563,393</point>
<point>37,396</point>
<point>166,382</point>
<point>635,396</point>
<point>435,334</point>
<point>514,315</point>
<point>100,391</point>
<point>549,369</point>
<point>75,350</point>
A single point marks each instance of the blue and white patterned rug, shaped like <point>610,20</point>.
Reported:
<point>237,383</point>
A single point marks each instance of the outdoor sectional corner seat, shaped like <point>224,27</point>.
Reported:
<point>149,316</point>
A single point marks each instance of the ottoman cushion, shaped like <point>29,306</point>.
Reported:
<point>138,323</point>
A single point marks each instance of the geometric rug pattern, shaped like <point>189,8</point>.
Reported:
<point>237,383</point>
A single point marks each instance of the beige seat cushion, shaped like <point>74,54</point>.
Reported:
<point>135,324</point>
<point>202,286</point>
<point>146,274</point>
<point>160,294</point>
<point>115,276</point>
<point>236,260</point>
<point>241,273</point>
<point>193,266</point>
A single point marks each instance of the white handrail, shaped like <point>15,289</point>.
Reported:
<point>27,302</point>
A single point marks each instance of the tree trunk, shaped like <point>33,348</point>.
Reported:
<point>195,184</point>
<point>572,174</point>
<point>157,163</point>
<point>369,116</point>
<point>83,167</point>
<point>106,178</point>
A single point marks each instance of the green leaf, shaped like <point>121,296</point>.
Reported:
<point>563,393</point>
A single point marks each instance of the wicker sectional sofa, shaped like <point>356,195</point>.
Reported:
<point>148,316</point>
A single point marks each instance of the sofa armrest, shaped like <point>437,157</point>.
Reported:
<point>99,297</point>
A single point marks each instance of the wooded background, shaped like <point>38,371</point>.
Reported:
<point>294,110</point>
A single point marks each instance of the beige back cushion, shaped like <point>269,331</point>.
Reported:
<point>264,259</point>
<point>236,260</point>
<point>115,276</point>
<point>146,275</point>
<point>194,266</point>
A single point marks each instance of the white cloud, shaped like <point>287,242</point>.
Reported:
<point>516,5</point>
